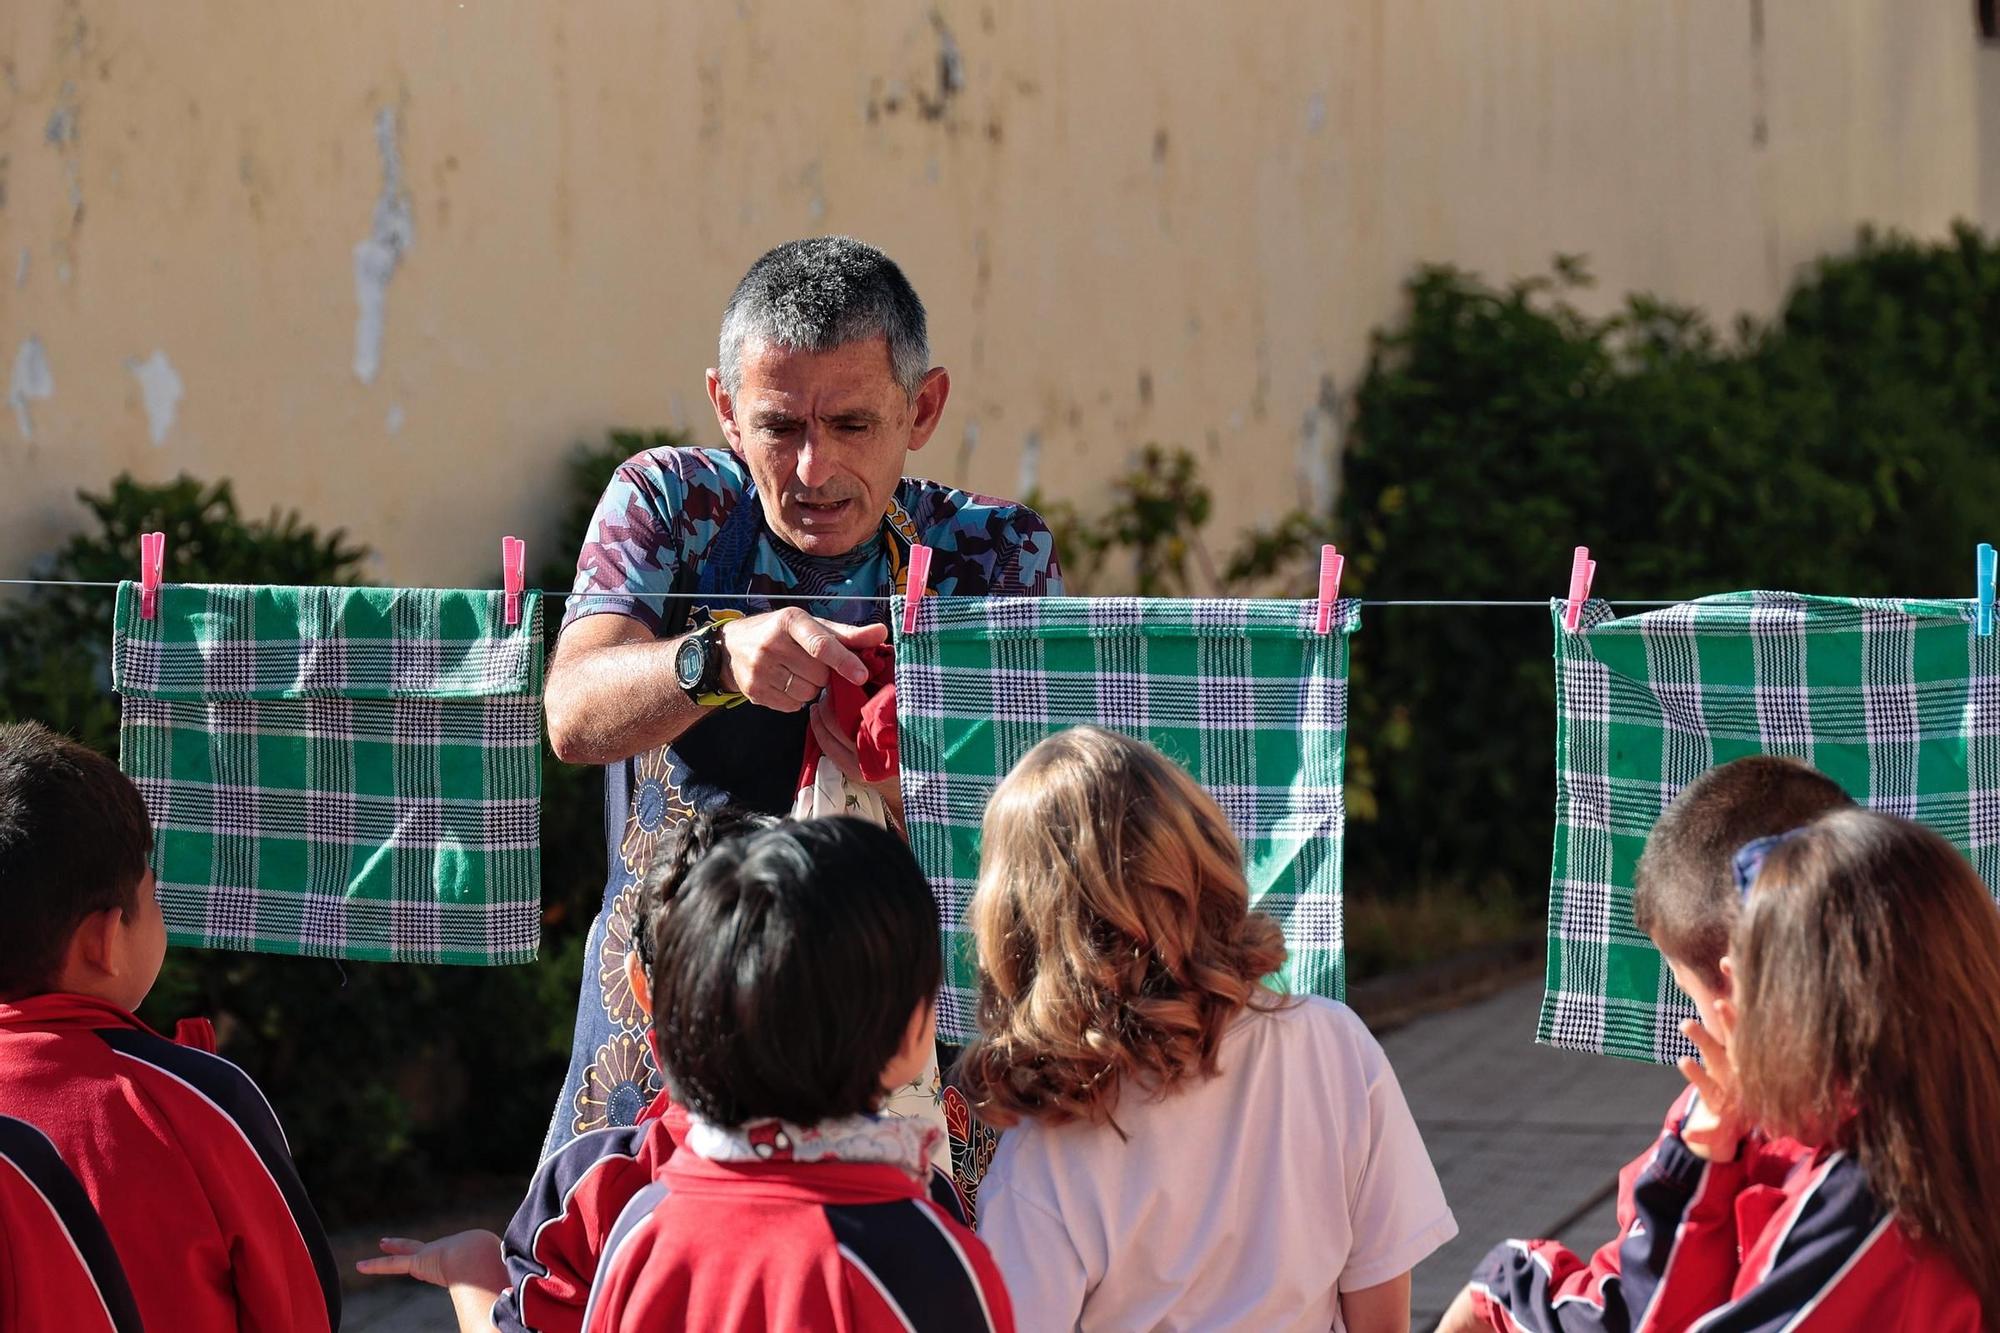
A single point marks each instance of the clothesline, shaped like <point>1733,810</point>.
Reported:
<point>1540,603</point>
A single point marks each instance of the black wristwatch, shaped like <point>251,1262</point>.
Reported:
<point>698,664</point>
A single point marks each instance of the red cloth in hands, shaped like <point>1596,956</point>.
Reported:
<point>867,713</point>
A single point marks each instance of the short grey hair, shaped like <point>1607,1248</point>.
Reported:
<point>821,293</point>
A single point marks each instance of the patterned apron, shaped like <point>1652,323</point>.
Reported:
<point>748,755</point>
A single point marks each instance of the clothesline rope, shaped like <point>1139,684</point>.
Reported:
<point>1538,603</point>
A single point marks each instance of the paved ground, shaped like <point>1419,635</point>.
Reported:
<point>1528,1142</point>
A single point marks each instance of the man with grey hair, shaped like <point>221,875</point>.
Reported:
<point>720,590</point>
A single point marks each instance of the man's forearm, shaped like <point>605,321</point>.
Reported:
<point>608,703</point>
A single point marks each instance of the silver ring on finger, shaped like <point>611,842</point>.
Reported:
<point>790,676</point>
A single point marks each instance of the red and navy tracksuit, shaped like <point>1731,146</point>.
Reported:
<point>1782,1238</point>
<point>763,1246</point>
<point>57,1267</point>
<point>561,1228</point>
<point>184,1162</point>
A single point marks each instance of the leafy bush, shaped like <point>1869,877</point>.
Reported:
<point>55,643</point>
<point>1846,447</point>
<point>390,1078</point>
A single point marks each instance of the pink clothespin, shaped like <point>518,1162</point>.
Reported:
<point>1582,572</point>
<point>917,585</point>
<point>513,560</point>
<point>152,564</point>
<point>1331,562</point>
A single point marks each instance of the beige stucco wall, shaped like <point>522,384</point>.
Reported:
<point>1217,201</point>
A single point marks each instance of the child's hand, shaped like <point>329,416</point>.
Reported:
<point>1463,1316</point>
<point>470,1258</point>
<point>1714,1128</point>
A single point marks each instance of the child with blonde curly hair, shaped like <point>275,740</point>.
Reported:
<point>1187,1147</point>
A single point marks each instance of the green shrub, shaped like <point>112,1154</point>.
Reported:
<point>391,1079</point>
<point>1846,447</point>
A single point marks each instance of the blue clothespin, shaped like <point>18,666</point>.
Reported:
<point>1985,587</point>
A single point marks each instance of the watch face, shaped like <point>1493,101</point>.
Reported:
<point>689,660</point>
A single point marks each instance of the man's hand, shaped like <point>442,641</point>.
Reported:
<point>1714,1128</point>
<point>846,757</point>
<point>783,659</point>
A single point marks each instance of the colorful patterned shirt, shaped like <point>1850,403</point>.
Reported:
<point>665,504</point>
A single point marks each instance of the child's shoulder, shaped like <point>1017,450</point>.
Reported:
<point>1316,1020</point>
<point>204,1096</point>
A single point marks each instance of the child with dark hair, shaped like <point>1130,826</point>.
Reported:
<point>794,988</point>
<point>537,1278</point>
<point>1685,897</point>
<point>175,1148</point>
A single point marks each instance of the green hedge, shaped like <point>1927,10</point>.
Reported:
<point>392,1080</point>
<point>1850,446</point>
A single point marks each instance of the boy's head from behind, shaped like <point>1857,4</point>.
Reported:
<point>665,874</point>
<point>76,895</point>
<point>794,974</point>
<point>1685,894</point>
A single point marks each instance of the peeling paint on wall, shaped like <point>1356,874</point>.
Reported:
<point>967,446</point>
<point>1031,464</point>
<point>394,421</point>
<point>378,256</point>
<point>61,133</point>
<point>61,128</point>
<point>21,269</point>
<point>1319,449</point>
<point>951,64</point>
<point>32,380</point>
<point>161,390</point>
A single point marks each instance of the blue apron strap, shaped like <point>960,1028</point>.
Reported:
<point>728,556</point>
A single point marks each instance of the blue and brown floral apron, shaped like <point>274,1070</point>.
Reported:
<point>747,755</point>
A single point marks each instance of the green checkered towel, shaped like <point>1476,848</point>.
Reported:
<point>338,772</point>
<point>1897,701</point>
<point>1245,695</point>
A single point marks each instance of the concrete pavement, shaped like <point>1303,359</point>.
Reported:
<point>1527,1140</point>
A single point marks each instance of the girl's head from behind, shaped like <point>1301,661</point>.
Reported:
<point>1866,966</point>
<point>1114,931</point>
<point>795,973</point>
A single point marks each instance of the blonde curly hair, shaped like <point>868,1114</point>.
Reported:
<point>1115,936</point>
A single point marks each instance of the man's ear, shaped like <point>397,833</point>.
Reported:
<point>725,410</point>
<point>928,409</point>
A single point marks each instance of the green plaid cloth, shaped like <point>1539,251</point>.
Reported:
<point>1245,695</point>
<point>338,772</point>
<point>1897,701</point>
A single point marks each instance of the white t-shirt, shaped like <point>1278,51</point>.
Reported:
<point>1249,1201</point>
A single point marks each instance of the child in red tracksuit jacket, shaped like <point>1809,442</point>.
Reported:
<point>1860,1018</point>
<point>1685,899</point>
<point>175,1148</point>
<point>57,1267</point>
<point>794,986</point>
<point>536,1278</point>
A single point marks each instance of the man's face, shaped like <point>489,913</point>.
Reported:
<point>824,435</point>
